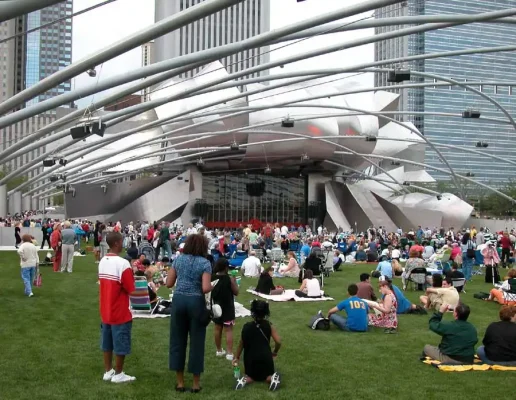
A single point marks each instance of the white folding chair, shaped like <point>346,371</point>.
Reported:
<point>458,282</point>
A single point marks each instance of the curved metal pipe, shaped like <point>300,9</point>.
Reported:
<point>158,29</point>
<point>218,52</point>
<point>14,8</point>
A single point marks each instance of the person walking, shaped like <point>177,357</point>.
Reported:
<point>29,262</point>
<point>17,237</point>
<point>191,276</point>
<point>55,242</point>
<point>46,231</point>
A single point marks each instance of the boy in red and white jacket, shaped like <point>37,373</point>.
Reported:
<point>116,283</point>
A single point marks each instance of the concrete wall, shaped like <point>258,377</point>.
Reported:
<point>7,235</point>
<point>91,200</point>
<point>492,224</point>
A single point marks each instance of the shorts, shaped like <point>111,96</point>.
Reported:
<point>116,338</point>
<point>218,321</point>
<point>96,248</point>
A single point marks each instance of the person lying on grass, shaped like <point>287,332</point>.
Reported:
<point>116,283</point>
<point>255,344</point>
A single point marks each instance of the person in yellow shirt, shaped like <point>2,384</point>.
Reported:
<point>447,294</point>
<point>473,231</point>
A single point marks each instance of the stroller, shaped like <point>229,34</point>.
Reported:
<point>146,249</point>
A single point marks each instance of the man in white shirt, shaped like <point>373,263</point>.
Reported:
<point>395,254</point>
<point>191,230</point>
<point>319,230</point>
<point>252,267</point>
<point>284,230</point>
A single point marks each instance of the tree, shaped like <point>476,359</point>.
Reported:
<point>58,199</point>
<point>13,182</point>
<point>497,205</point>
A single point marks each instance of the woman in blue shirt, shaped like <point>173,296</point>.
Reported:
<point>191,275</point>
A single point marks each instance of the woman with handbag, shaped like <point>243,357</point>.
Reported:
<point>191,275</point>
<point>468,255</point>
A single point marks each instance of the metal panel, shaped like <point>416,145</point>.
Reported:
<point>334,209</point>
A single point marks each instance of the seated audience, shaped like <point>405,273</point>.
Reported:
<point>416,247</point>
<point>499,344</point>
<point>454,273</point>
<point>396,253</point>
<point>310,286</point>
<point>132,252</point>
<point>338,259</point>
<point>313,263</point>
<point>292,269</point>
<point>446,294</point>
<point>372,255</point>
<point>437,282</point>
<point>384,268</point>
<point>251,266</point>
<point>412,263</point>
<point>506,295</point>
<point>152,287</point>
<point>265,284</point>
<point>386,317</point>
<point>456,250</point>
<point>428,251</point>
<point>458,337</point>
<point>360,255</point>
<point>365,289</point>
<point>404,305</point>
<point>356,311</point>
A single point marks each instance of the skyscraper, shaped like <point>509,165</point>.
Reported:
<point>490,67</point>
<point>27,58</point>
<point>233,24</point>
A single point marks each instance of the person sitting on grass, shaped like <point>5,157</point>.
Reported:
<point>356,311</point>
<point>223,294</point>
<point>265,284</point>
<point>310,287</point>
<point>454,273</point>
<point>459,337</point>
<point>506,295</point>
<point>437,296</point>
<point>151,285</point>
<point>365,289</point>
<point>384,268</point>
<point>499,344</point>
<point>132,252</point>
<point>386,317</point>
<point>255,344</point>
<point>292,268</point>
<point>116,283</point>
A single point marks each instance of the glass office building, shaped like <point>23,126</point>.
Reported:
<point>246,197</point>
<point>491,73</point>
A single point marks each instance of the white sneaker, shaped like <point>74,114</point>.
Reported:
<point>109,375</point>
<point>221,353</point>
<point>275,382</point>
<point>31,294</point>
<point>122,378</point>
<point>229,357</point>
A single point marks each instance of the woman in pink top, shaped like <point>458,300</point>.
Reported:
<point>455,251</point>
<point>292,268</point>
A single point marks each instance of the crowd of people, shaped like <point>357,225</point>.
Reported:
<point>195,261</point>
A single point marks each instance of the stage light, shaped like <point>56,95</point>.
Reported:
<point>370,138</point>
<point>267,170</point>
<point>482,144</point>
<point>49,163</point>
<point>80,132</point>
<point>398,75</point>
<point>470,174</point>
<point>53,178</point>
<point>471,114</point>
<point>287,123</point>
<point>63,162</point>
<point>406,183</point>
<point>92,72</point>
<point>234,146</point>
<point>396,163</point>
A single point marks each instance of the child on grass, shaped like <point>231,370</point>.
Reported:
<point>116,283</point>
<point>223,294</point>
<point>255,343</point>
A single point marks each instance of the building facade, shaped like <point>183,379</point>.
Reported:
<point>492,67</point>
<point>244,20</point>
<point>147,59</point>
<point>26,59</point>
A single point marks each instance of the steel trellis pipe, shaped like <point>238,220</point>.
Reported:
<point>160,28</point>
<point>218,52</point>
<point>15,8</point>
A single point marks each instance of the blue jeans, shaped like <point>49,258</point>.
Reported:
<point>268,243</point>
<point>339,321</point>
<point>28,274</point>
<point>467,266</point>
<point>481,352</point>
<point>185,320</point>
<point>116,338</point>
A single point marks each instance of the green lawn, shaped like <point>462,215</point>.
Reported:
<point>50,348</point>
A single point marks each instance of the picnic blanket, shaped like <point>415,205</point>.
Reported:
<point>240,312</point>
<point>288,295</point>
<point>476,366</point>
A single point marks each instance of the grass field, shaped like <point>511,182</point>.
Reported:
<point>50,348</point>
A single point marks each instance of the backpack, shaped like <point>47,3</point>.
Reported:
<point>318,322</point>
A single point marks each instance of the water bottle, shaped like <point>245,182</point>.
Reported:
<point>236,372</point>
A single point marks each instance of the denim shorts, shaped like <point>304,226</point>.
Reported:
<point>116,338</point>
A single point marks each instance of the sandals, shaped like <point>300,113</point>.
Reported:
<point>180,389</point>
<point>275,382</point>
<point>195,390</point>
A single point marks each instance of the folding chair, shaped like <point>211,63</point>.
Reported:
<point>259,254</point>
<point>277,254</point>
<point>417,277</point>
<point>459,283</point>
<point>237,260</point>
<point>139,299</point>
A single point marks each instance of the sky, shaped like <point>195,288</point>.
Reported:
<point>105,25</point>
